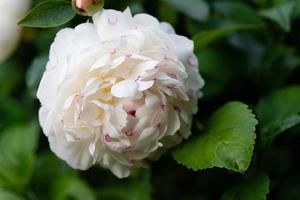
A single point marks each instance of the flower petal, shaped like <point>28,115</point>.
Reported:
<point>124,89</point>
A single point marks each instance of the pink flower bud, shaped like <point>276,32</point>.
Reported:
<point>87,7</point>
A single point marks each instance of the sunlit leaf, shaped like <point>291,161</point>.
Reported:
<point>228,141</point>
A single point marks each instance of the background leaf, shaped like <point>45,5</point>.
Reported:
<point>49,14</point>
<point>255,188</point>
<point>6,195</point>
<point>35,72</point>
<point>280,14</point>
<point>236,12</point>
<point>71,187</point>
<point>278,112</point>
<point>136,187</point>
<point>17,146</point>
<point>228,141</point>
<point>204,38</point>
<point>196,9</point>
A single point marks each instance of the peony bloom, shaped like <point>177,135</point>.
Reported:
<point>11,13</point>
<point>117,90</point>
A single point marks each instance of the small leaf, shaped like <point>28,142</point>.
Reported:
<point>281,14</point>
<point>49,14</point>
<point>71,187</point>
<point>17,146</point>
<point>255,188</point>
<point>6,195</point>
<point>278,112</point>
<point>196,9</point>
<point>204,38</point>
<point>228,141</point>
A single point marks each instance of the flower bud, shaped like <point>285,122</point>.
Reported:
<point>87,7</point>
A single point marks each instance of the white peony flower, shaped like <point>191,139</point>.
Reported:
<point>116,90</point>
<point>11,13</point>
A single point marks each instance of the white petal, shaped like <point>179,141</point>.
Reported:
<point>166,27</point>
<point>92,148</point>
<point>147,135</point>
<point>110,23</point>
<point>69,101</point>
<point>124,89</point>
<point>117,62</point>
<point>183,46</point>
<point>44,119</point>
<point>101,62</point>
<point>121,171</point>
<point>173,121</point>
<point>142,68</point>
<point>144,85</point>
<point>146,20</point>
<point>76,154</point>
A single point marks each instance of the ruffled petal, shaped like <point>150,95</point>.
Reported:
<point>124,89</point>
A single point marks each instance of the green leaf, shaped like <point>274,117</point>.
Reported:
<point>71,187</point>
<point>228,141</point>
<point>49,14</point>
<point>278,112</point>
<point>235,12</point>
<point>255,188</point>
<point>11,111</point>
<point>205,38</point>
<point>217,67</point>
<point>277,64</point>
<point>6,195</point>
<point>17,146</point>
<point>281,14</point>
<point>44,176</point>
<point>9,76</point>
<point>196,9</point>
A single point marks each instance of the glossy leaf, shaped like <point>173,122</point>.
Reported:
<point>228,141</point>
<point>49,14</point>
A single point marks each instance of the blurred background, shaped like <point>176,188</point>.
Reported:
<point>247,50</point>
